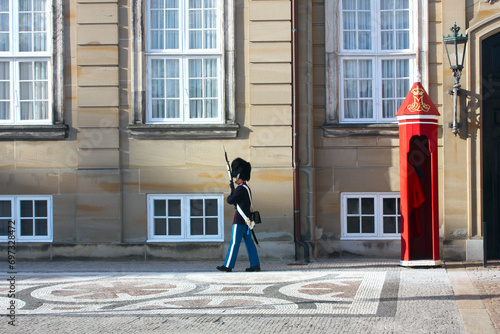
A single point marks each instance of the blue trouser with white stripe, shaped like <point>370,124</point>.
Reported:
<point>239,232</point>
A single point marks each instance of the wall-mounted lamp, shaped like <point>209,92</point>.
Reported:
<point>455,49</point>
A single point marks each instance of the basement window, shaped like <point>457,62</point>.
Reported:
<point>370,216</point>
<point>185,218</point>
<point>26,218</point>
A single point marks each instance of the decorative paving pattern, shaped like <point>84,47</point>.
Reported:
<point>318,293</point>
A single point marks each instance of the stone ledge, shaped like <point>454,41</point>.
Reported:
<point>34,132</point>
<point>184,131</point>
<point>369,129</point>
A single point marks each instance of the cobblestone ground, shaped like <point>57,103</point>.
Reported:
<point>487,282</point>
<point>338,296</point>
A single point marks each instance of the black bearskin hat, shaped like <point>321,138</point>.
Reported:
<point>241,169</point>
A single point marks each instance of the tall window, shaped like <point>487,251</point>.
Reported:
<point>30,218</point>
<point>185,218</point>
<point>371,216</point>
<point>184,61</point>
<point>25,63</point>
<point>376,57</point>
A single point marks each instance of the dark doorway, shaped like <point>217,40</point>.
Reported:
<point>491,143</point>
<point>420,223</point>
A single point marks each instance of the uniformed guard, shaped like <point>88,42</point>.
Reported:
<point>241,198</point>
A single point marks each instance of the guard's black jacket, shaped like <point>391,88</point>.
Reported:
<point>240,196</point>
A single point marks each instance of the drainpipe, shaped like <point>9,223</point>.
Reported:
<point>295,139</point>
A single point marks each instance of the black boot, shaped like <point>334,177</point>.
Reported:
<point>256,268</point>
<point>224,268</point>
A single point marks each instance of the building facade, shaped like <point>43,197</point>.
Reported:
<point>362,58</point>
<point>114,118</point>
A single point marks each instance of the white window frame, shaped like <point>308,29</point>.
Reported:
<point>16,217</point>
<point>185,218</point>
<point>14,57</point>
<point>376,53</point>
<point>378,216</point>
<point>184,54</point>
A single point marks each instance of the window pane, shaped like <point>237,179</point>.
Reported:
<point>402,4</point>
<point>174,207</point>
<point>26,90</point>
<point>195,39</point>
<point>365,88</point>
<point>389,206</point>
<point>349,40</point>
<point>27,111</point>
<point>390,225</point>
<point>211,207</point>
<point>365,69</point>
<point>350,89</point>
<point>402,40</point>
<point>172,68</point>
<point>26,227</point>
<point>387,40</point>
<point>39,5</point>
<point>365,109</point>
<point>41,227</point>
<point>158,88</point>
<point>4,5</point>
<point>41,208</point>
<point>172,88</point>
<point>353,225</point>
<point>196,226</point>
<point>364,21</point>
<point>387,20</point>
<point>5,208</point>
<point>196,207</point>
<point>211,108</point>
<point>367,206</point>
<point>158,108</point>
<point>195,20</point>
<point>173,110</point>
<point>160,207</point>
<point>26,208</point>
<point>4,227</point>
<point>388,109</point>
<point>4,110</point>
<point>350,69</point>
<point>160,226</point>
<point>368,224</point>
<point>349,21</point>
<point>351,109</point>
<point>4,39</point>
<point>171,20</point>
<point>364,40</point>
<point>195,88</point>
<point>157,39</point>
<point>174,226</point>
<point>212,226</point>
<point>352,206</point>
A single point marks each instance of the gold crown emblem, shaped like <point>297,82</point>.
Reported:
<point>417,91</point>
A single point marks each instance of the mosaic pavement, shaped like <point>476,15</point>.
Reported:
<point>338,296</point>
<point>368,293</point>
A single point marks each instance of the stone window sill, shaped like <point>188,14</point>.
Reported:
<point>369,129</point>
<point>184,131</point>
<point>34,132</point>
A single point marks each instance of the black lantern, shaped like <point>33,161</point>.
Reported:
<point>455,49</point>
